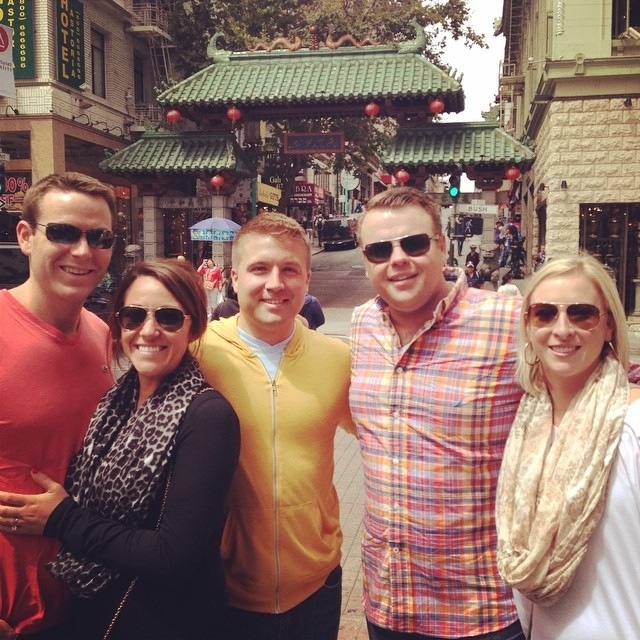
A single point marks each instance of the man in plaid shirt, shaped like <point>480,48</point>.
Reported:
<point>433,394</point>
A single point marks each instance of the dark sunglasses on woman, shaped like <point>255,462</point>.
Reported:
<point>169,319</point>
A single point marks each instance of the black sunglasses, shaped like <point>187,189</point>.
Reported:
<point>416,245</point>
<point>61,233</point>
<point>581,314</point>
<point>170,319</point>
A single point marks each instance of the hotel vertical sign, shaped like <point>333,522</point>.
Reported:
<point>18,14</point>
<point>70,42</point>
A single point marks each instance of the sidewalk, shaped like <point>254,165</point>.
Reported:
<point>349,484</point>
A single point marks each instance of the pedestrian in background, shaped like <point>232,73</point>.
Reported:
<point>289,387</point>
<point>229,306</point>
<point>473,255</point>
<point>212,283</point>
<point>568,506</point>
<point>142,514</point>
<point>507,287</point>
<point>312,311</point>
<point>474,279</point>
<point>540,258</point>
<point>53,371</point>
<point>433,394</point>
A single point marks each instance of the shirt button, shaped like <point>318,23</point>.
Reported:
<point>395,550</point>
<point>399,370</point>
<point>395,460</point>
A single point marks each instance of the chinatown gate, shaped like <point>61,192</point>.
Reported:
<point>207,147</point>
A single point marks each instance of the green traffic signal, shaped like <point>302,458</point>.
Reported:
<point>454,186</point>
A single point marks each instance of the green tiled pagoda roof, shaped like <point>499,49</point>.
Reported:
<point>436,146</point>
<point>181,152</point>
<point>440,145</point>
<point>313,77</point>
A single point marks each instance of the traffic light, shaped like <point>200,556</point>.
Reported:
<point>454,186</point>
<point>473,226</point>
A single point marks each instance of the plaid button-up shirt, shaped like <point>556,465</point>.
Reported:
<point>433,416</point>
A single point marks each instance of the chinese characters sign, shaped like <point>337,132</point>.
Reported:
<point>310,143</point>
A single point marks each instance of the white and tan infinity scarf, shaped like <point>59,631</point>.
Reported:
<point>551,496</point>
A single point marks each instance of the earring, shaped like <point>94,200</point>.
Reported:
<point>524,355</point>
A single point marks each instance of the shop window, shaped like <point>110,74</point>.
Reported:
<point>610,233</point>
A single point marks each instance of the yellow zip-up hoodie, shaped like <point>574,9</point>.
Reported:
<point>282,536</point>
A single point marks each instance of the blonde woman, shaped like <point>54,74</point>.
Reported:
<point>568,504</point>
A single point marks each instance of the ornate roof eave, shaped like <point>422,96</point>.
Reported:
<point>179,153</point>
<point>478,147</point>
<point>306,80</point>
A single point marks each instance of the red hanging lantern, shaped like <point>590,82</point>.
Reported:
<point>512,173</point>
<point>234,114</point>
<point>372,109</point>
<point>173,116</point>
<point>402,176</point>
<point>436,106</point>
<point>217,181</point>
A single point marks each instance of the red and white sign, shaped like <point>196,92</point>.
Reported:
<point>307,193</point>
<point>7,80</point>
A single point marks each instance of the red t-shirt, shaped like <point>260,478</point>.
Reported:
<point>50,385</point>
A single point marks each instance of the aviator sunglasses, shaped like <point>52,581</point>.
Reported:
<point>61,233</point>
<point>170,319</point>
<point>580,314</point>
<point>416,245</point>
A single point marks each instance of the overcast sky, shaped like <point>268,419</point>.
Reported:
<point>480,66</point>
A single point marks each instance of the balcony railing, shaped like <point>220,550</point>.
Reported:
<point>147,113</point>
<point>150,15</point>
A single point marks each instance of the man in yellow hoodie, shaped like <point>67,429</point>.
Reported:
<point>289,386</point>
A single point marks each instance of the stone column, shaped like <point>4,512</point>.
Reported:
<point>221,251</point>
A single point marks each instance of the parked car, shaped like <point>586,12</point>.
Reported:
<point>14,265</point>
<point>339,233</point>
<point>100,300</point>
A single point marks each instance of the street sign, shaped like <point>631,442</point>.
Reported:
<point>349,181</point>
<point>487,209</point>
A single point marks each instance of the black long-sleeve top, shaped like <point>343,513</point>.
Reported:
<point>179,593</point>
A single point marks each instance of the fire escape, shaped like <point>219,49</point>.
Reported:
<point>151,22</point>
<point>511,78</point>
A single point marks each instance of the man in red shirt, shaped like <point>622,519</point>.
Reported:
<point>53,371</point>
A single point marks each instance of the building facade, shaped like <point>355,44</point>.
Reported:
<point>84,78</point>
<point>570,89</point>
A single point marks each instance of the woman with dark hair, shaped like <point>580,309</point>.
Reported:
<point>141,515</point>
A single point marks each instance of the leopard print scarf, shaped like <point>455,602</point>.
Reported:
<point>123,464</point>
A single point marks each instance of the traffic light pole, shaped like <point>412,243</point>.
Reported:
<point>452,234</point>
